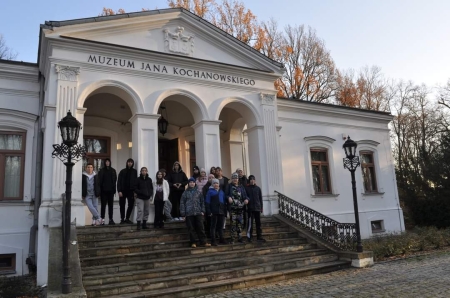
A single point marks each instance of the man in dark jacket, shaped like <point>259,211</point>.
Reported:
<point>125,187</point>
<point>107,178</point>
<point>144,192</point>
<point>255,207</point>
<point>177,182</point>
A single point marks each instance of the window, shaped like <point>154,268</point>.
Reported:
<point>12,161</point>
<point>7,262</point>
<point>377,226</point>
<point>368,171</point>
<point>320,171</point>
<point>97,149</point>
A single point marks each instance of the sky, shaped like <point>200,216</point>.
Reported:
<point>408,39</point>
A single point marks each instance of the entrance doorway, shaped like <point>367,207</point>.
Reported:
<point>167,153</point>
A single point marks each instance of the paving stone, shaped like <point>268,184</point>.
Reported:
<point>423,276</point>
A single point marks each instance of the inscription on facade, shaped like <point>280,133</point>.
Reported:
<point>171,70</point>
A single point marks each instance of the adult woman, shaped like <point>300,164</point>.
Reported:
<point>161,192</point>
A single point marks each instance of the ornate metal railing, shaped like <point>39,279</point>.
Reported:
<point>340,235</point>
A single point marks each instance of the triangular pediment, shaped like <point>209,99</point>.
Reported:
<point>173,32</point>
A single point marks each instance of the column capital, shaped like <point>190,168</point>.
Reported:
<point>210,122</point>
<point>67,73</point>
<point>268,99</point>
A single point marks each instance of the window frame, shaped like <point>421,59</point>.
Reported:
<point>381,229</point>
<point>101,156</point>
<point>320,164</point>
<point>5,270</point>
<point>4,153</point>
<point>369,165</point>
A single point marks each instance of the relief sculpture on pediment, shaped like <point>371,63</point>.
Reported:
<point>177,42</point>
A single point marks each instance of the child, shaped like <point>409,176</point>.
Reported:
<point>144,191</point>
<point>215,209</point>
<point>90,191</point>
<point>237,198</point>
<point>192,206</point>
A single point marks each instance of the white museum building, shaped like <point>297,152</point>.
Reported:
<point>119,74</point>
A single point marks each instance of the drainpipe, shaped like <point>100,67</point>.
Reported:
<point>31,260</point>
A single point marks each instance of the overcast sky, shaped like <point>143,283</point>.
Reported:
<point>408,39</point>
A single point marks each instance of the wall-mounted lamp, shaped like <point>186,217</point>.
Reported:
<point>119,146</point>
<point>130,144</point>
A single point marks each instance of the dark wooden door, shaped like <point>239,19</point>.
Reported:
<point>167,154</point>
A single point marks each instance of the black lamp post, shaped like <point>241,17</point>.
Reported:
<point>351,162</point>
<point>68,152</point>
<point>163,123</point>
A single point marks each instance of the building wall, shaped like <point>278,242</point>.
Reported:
<point>306,126</point>
<point>19,110</point>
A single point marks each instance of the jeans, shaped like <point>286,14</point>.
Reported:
<point>107,198</point>
<point>143,209</point>
<point>168,210</point>
<point>195,229</point>
<point>216,227</point>
<point>92,203</point>
<point>257,216</point>
<point>127,196</point>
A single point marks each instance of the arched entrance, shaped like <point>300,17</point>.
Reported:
<point>107,132</point>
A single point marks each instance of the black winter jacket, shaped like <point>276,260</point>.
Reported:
<point>255,202</point>
<point>84,186</point>
<point>107,178</point>
<point>144,187</point>
<point>127,178</point>
<point>177,177</point>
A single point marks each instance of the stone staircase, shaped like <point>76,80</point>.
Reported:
<point>118,261</point>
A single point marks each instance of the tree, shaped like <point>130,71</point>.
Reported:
<point>369,91</point>
<point>444,95</point>
<point>110,12</point>
<point>310,70</point>
<point>5,52</point>
<point>203,8</point>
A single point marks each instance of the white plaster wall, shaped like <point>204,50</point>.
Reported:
<point>299,122</point>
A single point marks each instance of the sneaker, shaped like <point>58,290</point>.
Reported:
<point>122,222</point>
<point>128,221</point>
<point>261,239</point>
<point>93,222</point>
<point>102,221</point>
<point>206,245</point>
<point>98,222</point>
<point>214,244</point>
<point>193,245</point>
<point>111,222</point>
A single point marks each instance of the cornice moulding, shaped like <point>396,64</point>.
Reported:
<point>159,57</point>
<point>333,124</point>
<point>367,142</point>
<point>320,138</point>
<point>333,111</point>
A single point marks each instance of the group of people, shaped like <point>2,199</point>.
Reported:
<point>204,204</point>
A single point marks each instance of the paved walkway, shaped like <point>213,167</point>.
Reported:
<point>422,276</point>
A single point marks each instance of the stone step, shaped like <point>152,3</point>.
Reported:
<point>192,284</point>
<point>214,254</point>
<point>178,252</point>
<point>152,235</point>
<point>161,270</point>
<point>148,245</point>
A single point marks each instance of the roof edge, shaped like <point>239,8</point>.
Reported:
<point>52,24</point>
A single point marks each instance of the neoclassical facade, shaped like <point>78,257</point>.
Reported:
<point>119,74</point>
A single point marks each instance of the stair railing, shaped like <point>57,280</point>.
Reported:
<point>340,235</point>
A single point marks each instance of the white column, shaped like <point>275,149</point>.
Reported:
<point>272,145</point>
<point>207,143</point>
<point>61,96</point>
<point>145,147</point>
<point>235,155</point>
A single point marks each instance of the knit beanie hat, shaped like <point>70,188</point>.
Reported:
<point>215,181</point>
<point>251,177</point>
<point>192,179</point>
<point>234,175</point>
